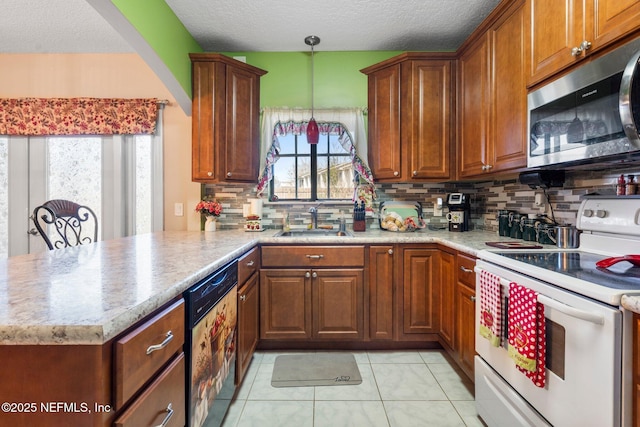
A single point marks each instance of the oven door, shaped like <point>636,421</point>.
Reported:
<point>583,383</point>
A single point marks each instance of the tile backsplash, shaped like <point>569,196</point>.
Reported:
<point>486,198</point>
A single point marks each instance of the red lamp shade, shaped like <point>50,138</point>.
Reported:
<point>313,134</point>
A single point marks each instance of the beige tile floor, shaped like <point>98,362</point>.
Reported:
<point>399,389</point>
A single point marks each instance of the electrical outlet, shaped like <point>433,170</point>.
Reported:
<point>178,209</point>
<point>539,200</point>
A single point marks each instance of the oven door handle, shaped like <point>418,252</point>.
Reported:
<point>596,318</point>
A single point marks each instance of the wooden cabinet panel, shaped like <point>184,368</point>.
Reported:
<point>611,20</point>
<point>410,117</point>
<point>338,306</point>
<point>381,279</point>
<point>465,328</point>
<point>162,403</point>
<point>508,130</point>
<point>225,129</point>
<point>248,324</point>
<point>248,264</point>
<point>384,123</point>
<point>285,304</point>
<point>426,106</point>
<point>313,256</point>
<point>636,370</point>
<point>447,300</point>
<point>136,361</point>
<point>420,288</point>
<point>474,104</point>
<point>466,274</point>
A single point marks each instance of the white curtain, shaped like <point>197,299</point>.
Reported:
<point>348,123</point>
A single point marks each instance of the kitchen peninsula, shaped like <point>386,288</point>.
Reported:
<point>64,314</point>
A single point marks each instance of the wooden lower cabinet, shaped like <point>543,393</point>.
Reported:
<point>381,269</point>
<point>447,300</point>
<point>465,306</point>
<point>162,402</point>
<point>248,324</point>
<point>419,294</point>
<point>312,304</point>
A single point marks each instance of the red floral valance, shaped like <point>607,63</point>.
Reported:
<point>77,116</point>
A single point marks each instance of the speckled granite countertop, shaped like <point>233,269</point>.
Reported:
<point>89,294</point>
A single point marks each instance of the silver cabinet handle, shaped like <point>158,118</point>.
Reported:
<point>396,173</point>
<point>167,417</point>
<point>390,251</point>
<point>415,173</point>
<point>243,297</point>
<point>465,270</point>
<point>315,256</point>
<point>584,46</point>
<point>472,298</point>
<point>209,173</point>
<point>228,173</point>
<point>314,275</point>
<point>307,274</point>
<point>162,345</point>
<point>250,263</point>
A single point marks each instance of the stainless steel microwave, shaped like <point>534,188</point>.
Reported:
<point>591,114</point>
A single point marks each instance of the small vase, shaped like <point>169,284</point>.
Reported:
<point>210,223</point>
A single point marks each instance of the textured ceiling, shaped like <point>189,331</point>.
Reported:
<point>73,26</point>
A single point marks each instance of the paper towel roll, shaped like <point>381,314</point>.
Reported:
<point>256,207</point>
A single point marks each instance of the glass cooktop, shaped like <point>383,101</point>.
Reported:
<point>582,266</point>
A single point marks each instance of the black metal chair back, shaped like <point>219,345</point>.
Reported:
<point>63,223</point>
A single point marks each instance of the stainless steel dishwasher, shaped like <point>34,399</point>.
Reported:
<point>211,311</point>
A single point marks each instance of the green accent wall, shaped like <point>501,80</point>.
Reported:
<point>164,32</point>
<point>337,77</point>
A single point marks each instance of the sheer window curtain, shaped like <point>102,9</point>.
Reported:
<point>348,123</point>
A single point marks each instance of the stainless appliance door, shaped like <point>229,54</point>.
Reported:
<point>584,356</point>
<point>213,357</point>
<point>629,100</point>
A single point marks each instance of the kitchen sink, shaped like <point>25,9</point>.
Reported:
<point>313,233</point>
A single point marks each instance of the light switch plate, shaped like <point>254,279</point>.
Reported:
<point>178,209</point>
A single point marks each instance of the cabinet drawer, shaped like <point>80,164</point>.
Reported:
<point>162,403</point>
<point>466,275</point>
<point>312,256</point>
<point>136,360</point>
<point>248,264</point>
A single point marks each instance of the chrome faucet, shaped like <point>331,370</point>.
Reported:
<point>313,210</point>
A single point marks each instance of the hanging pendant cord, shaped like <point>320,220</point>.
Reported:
<point>312,80</point>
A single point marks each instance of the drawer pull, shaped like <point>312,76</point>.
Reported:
<point>162,345</point>
<point>315,256</point>
<point>167,417</point>
<point>243,297</point>
<point>472,298</point>
<point>465,270</point>
<point>250,263</point>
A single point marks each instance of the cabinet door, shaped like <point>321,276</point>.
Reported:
<point>242,142</point>
<point>509,93</point>
<point>474,109</point>
<point>466,306</point>
<point>555,27</point>
<point>610,20</point>
<point>338,311</point>
<point>420,291</point>
<point>248,324</point>
<point>381,279</point>
<point>426,111</point>
<point>384,123</point>
<point>207,119</point>
<point>448,280</point>
<point>285,304</point>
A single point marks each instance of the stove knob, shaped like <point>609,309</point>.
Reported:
<point>601,213</point>
<point>588,213</point>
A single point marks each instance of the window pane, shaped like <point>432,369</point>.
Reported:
<point>284,178</point>
<point>304,177</point>
<point>323,178</point>
<point>143,184</point>
<point>75,171</point>
<point>287,144</point>
<point>303,146</point>
<point>4,197</point>
<point>336,147</point>
<point>341,174</point>
<point>323,144</point>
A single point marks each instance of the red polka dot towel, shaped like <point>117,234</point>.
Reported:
<point>490,307</point>
<point>526,331</point>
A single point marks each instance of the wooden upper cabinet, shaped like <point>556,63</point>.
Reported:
<point>474,108</point>
<point>559,28</point>
<point>409,117</point>
<point>226,109</point>
<point>492,114</point>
